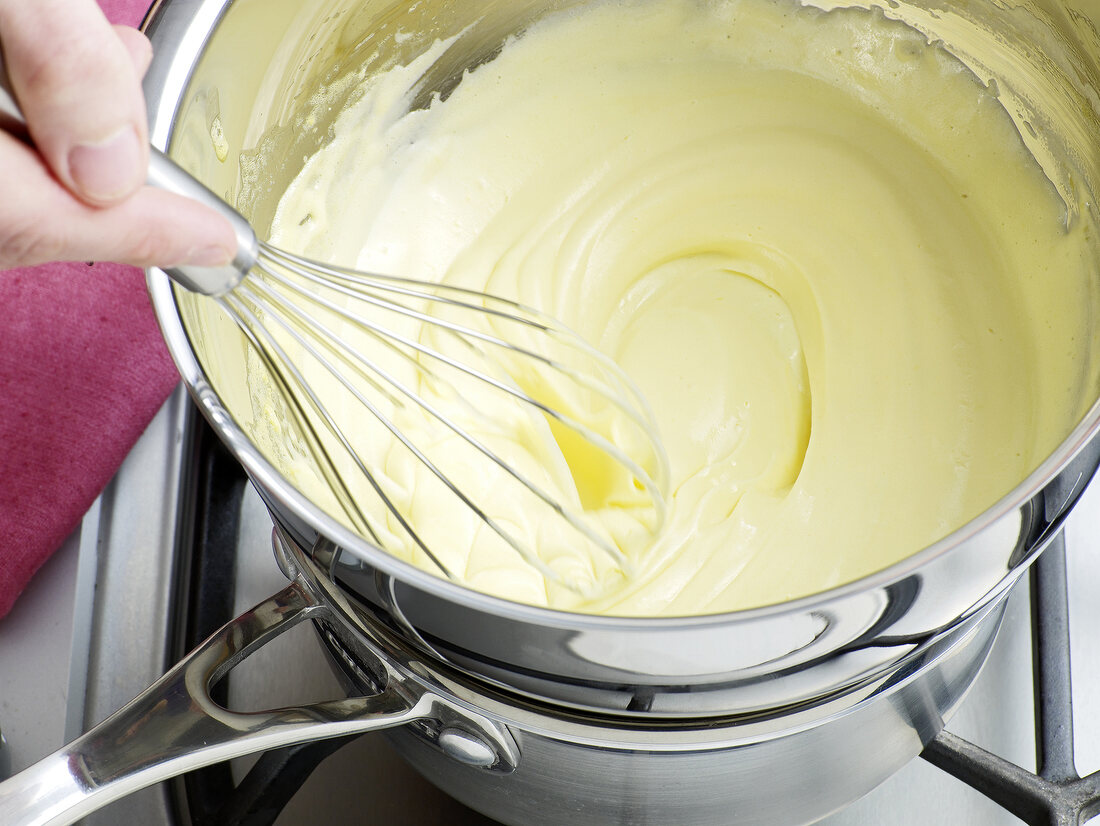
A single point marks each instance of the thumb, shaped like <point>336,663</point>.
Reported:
<point>80,93</point>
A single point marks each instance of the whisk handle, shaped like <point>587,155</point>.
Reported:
<point>165,174</point>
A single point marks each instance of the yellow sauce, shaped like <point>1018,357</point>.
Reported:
<point>816,243</point>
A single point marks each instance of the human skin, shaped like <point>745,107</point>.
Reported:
<point>76,190</point>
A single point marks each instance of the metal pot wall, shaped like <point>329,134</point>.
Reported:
<point>520,761</point>
<point>531,715</point>
<point>540,763</point>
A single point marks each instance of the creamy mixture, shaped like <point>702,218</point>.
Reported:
<point>815,242</point>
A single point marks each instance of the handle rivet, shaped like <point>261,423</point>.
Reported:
<point>467,748</point>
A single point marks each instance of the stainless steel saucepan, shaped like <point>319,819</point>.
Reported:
<point>778,715</point>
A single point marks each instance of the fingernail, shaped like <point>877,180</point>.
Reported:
<point>107,170</point>
<point>212,256</point>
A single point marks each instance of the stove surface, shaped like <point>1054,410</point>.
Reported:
<point>108,615</point>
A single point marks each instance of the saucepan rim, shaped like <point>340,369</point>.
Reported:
<point>164,103</point>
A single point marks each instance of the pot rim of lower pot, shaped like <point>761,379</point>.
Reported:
<point>366,654</point>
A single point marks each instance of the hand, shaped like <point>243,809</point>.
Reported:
<point>79,193</point>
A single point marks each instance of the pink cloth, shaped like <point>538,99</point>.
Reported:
<point>83,369</point>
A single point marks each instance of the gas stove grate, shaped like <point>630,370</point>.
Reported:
<point>1056,795</point>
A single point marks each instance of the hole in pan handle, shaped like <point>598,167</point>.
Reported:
<point>175,726</point>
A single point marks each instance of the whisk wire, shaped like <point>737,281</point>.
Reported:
<point>262,345</point>
<point>348,356</point>
<point>329,277</point>
<point>283,361</point>
<point>298,316</point>
<point>465,333</point>
<point>341,350</point>
<point>326,275</point>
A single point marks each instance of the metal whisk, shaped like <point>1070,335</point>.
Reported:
<point>453,362</point>
<point>440,369</point>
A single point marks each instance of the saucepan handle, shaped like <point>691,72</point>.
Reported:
<point>175,725</point>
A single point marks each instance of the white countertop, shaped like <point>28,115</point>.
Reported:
<point>35,649</point>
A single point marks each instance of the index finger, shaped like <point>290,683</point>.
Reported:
<point>80,93</point>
